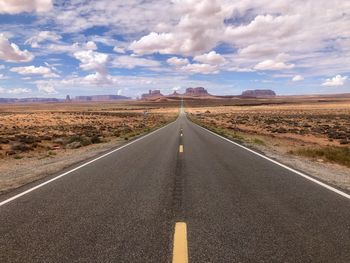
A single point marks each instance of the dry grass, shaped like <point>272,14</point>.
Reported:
<point>35,129</point>
<point>314,129</point>
<point>340,155</point>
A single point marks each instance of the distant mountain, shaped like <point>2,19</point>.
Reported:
<point>258,93</point>
<point>156,95</point>
<point>29,100</point>
<point>101,98</point>
<point>68,99</point>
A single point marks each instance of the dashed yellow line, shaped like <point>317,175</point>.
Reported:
<point>180,250</point>
<point>181,149</point>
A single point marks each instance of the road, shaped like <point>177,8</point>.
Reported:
<point>227,203</point>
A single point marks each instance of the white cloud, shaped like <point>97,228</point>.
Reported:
<point>10,52</point>
<point>275,64</point>
<point>239,69</point>
<point>43,36</point>
<point>131,62</point>
<point>212,58</point>
<point>32,70</point>
<point>14,91</point>
<point>338,80</point>
<point>90,45</point>
<point>251,32</point>
<point>197,31</point>
<point>75,47</point>
<point>298,78</point>
<point>132,16</point>
<point>46,87</point>
<point>120,50</point>
<point>91,60</point>
<point>19,6</point>
<point>259,30</point>
<point>200,68</point>
<point>2,76</point>
<point>177,62</point>
<point>183,65</point>
<point>263,26</point>
<point>272,65</point>
<point>154,42</point>
<point>92,80</point>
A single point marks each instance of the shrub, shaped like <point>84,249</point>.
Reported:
<point>258,141</point>
<point>96,139</point>
<point>340,155</point>
<point>83,140</point>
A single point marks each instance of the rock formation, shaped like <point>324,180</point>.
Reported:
<point>152,95</point>
<point>266,93</point>
<point>196,92</point>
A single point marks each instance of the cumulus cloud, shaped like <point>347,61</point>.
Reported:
<point>177,62</point>
<point>275,64</point>
<point>43,36</point>
<point>32,70</point>
<point>90,80</point>
<point>184,65</point>
<point>10,52</point>
<point>263,26</point>
<point>19,6</point>
<point>297,78</point>
<point>131,62</point>
<point>46,88</point>
<point>91,60</point>
<point>197,31</point>
<point>259,31</point>
<point>251,33</point>
<point>90,45</point>
<point>338,80</point>
<point>212,58</point>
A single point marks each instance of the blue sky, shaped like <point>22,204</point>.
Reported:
<point>51,48</point>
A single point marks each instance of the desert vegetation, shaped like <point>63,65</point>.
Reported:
<point>316,129</point>
<point>49,137</point>
<point>35,133</point>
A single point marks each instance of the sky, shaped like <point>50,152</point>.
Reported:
<point>52,48</point>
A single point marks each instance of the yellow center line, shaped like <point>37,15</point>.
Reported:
<point>180,250</point>
<point>181,149</point>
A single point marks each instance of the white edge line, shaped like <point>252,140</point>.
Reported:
<point>282,165</point>
<point>77,168</point>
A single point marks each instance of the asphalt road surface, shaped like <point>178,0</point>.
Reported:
<point>123,207</point>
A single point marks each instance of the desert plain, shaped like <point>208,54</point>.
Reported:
<point>37,140</point>
<point>311,134</point>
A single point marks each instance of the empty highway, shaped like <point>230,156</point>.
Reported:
<point>179,194</point>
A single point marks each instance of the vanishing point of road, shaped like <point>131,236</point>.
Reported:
<point>179,194</point>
